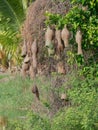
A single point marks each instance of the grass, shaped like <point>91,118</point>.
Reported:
<point>3,76</point>
<point>15,96</point>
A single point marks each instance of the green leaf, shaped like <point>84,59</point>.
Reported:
<point>14,10</point>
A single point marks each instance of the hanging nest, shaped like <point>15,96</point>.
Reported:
<point>24,50</point>
<point>27,59</point>
<point>65,34</point>
<point>49,35</point>
<point>34,48</point>
<point>25,66</point>
<point>63,96</point>
<point>61,68</point>
<point>32,72</point>
<point>79,41</point>
<point>60,46</point>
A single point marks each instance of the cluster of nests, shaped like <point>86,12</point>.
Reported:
<point>34,37</point>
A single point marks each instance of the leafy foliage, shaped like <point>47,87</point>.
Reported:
<point>54,19</point>
<point>12,11</point>
<point>83,15</point>
<point>83,113</point>
<point>12,14</point>
<point>14,95</point>
<point>35,122</point>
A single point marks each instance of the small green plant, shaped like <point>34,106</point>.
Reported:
<point>15,125</point>
<point>54,19</point>
<point>35,122</point>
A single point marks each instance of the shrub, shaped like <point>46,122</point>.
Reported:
<point>35,122</point>
<point>83,113</point>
